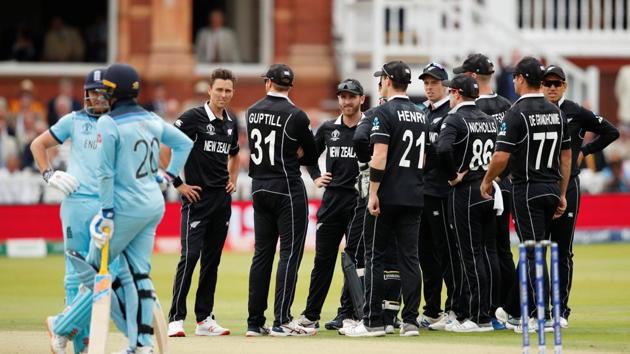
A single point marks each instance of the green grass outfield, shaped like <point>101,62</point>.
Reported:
<point>32,289</point>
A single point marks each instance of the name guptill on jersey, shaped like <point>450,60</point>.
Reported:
<point>264,118</point>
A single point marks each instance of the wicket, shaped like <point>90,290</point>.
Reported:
<point>540,294</point>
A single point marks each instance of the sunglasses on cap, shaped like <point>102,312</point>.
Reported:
<point>434,65</point>
<point>349,86</point>
<point>554,83</point>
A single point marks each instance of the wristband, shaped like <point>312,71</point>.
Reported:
<point>175,180</point>
<point>47,174</point>
<point>376,175</point>
<point>108,213</point>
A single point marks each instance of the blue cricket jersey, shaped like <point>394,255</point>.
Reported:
<point>129,140</point>
<point>80,128</point>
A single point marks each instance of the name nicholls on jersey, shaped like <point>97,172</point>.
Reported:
<point>264,118</point>
<point>544,119</point>
<point>482,127</point>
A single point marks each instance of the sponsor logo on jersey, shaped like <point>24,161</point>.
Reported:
<point>503,129</point>
<point>194,224</point>
<point>229,132</point>
<point>376,124</point>
<point>334,136</point>
<point>178,123</point>
<point>210,129</point>
<point>87,128</point>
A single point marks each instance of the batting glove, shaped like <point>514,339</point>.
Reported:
<point>62,181</point>
<point>363,180</point>
<point>102,227</point>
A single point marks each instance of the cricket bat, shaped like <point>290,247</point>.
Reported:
<point>160,328</point>
<point>101,305</point>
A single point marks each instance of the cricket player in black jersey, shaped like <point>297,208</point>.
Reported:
<point>465,144</point>
<point>399,138</point>
<point>534,138</point>
<point>498,251</point>
<point>211,172</point>
<point>339,213</point>
<point>278,133</point>
<point>437,249</point>
<point>581,120</point>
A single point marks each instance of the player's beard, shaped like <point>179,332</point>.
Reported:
<point>350,110</point>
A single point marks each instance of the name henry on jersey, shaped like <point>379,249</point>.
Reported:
<point>410,116</point>
<point>264,118</point>
<point>544,119</point>
<point>341,151</point>
<point>216,146</point>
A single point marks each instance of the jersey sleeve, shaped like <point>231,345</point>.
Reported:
<point>361,139</point>
<point>62,130</point>
<point>606,132</point>
<point>305,139</point>
<point>181,146</point>
<point>234,147</point>
<point>186,125</point>
<point>381,129</point>
<point>511,131</point>
<point>320,146</point>
<point>108,140</point>
<point>448,136</point>
<point>566,137</point>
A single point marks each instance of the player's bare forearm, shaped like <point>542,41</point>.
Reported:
<point>498,163</point>
<point>565,170</point>
<point>39,146</point>
<point>233,168</point>
<point>165,156</point>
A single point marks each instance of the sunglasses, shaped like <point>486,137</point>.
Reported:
<point>554,83</point>
<point>434,65</point>
<point>348,86</point>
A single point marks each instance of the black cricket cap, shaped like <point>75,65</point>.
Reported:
<point>466,85</point>
<point>280,74</point>
<point>531,68</point>
<point>397,71</point>
<point>434,70</point>
<point>555,70</point>
<point>350,85</point>
<point>476,63</point>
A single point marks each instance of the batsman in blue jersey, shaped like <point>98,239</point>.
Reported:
<point>79,182</point>
<point>131,206</point>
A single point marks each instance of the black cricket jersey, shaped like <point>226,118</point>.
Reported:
<point>534,131</point>
<point>435,181</point>
<point>362,145</point>
<point>466,142</point>
<point>275,130</point>
<point>581,120</point>
<point>403,126</point>
<point>335,137</point>
<point>494,105</point>
<point>214,139</point>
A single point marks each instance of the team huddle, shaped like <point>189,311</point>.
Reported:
<point>422,193</point>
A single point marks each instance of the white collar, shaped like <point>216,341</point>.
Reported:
<point>492,95</point>
<point>530,95</point>
<point>211,115</point>
<point>460,105</point>
<point>439,103</point>
<point>339,120</point>
<point>281,95</point>
<point>398,96</point>
<point>561,101</point>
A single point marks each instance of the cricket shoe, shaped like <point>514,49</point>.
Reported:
<point>335,323</point>
<point>58,343</point>
<point>176,329</point>
<point>532,325</point>
<point>347,323</point>
<point>305,322</point>
<point>389,329</point>
<point>210,327</point>
<point>409,330</point>
<point>257,331</point>
<point>361,330</point>
<point>144,350</point>
<point>549,326</point>
<point>469,326</point>
<point>564,322</point>
<point>290,329</point>
<point>451,323</point>
<point>497,325</point>
<point>425,321</point>
<point>444,320</point>
<point>509,321</point>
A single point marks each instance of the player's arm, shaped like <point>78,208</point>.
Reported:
<point>565,167</point>
<point>444,149</point>
<point>233,163</point>
<point>320,180</point>
<point>606,133</point>
<point>511,131</point>
<point>185,125</point>
<point>108,142</point>
<point>305,139</point>
<point>379,138</point>
<point>361,140</point>
<point>56,135</point>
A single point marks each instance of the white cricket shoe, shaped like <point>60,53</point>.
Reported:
<point>440,325</point>
<point>346,324</point>
<point>470,326</point>
<point>257,331</point>
<point>144,350</point>
<point>409,330</point>
<point>451,323</point>
<point>305,322</point>
<point>389,329</point>
<point>210,327</point>
<point>361,330</point>
<point>564,323</point>
<point>532,326</point>
<point>509,321</point>
<point>292,329</point>
<point>58,343</point>
<point>426,321</point>
<point>176,329</point>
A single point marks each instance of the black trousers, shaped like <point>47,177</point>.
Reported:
<point>503,282</point>
<point>338,210</point>
<point>404,222</point>
<point>562,231</point>
<point>533,206</point>
<point>280,212</point>
<point>437,251</point>
<point>473,219</point>
<point>204,227</point>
